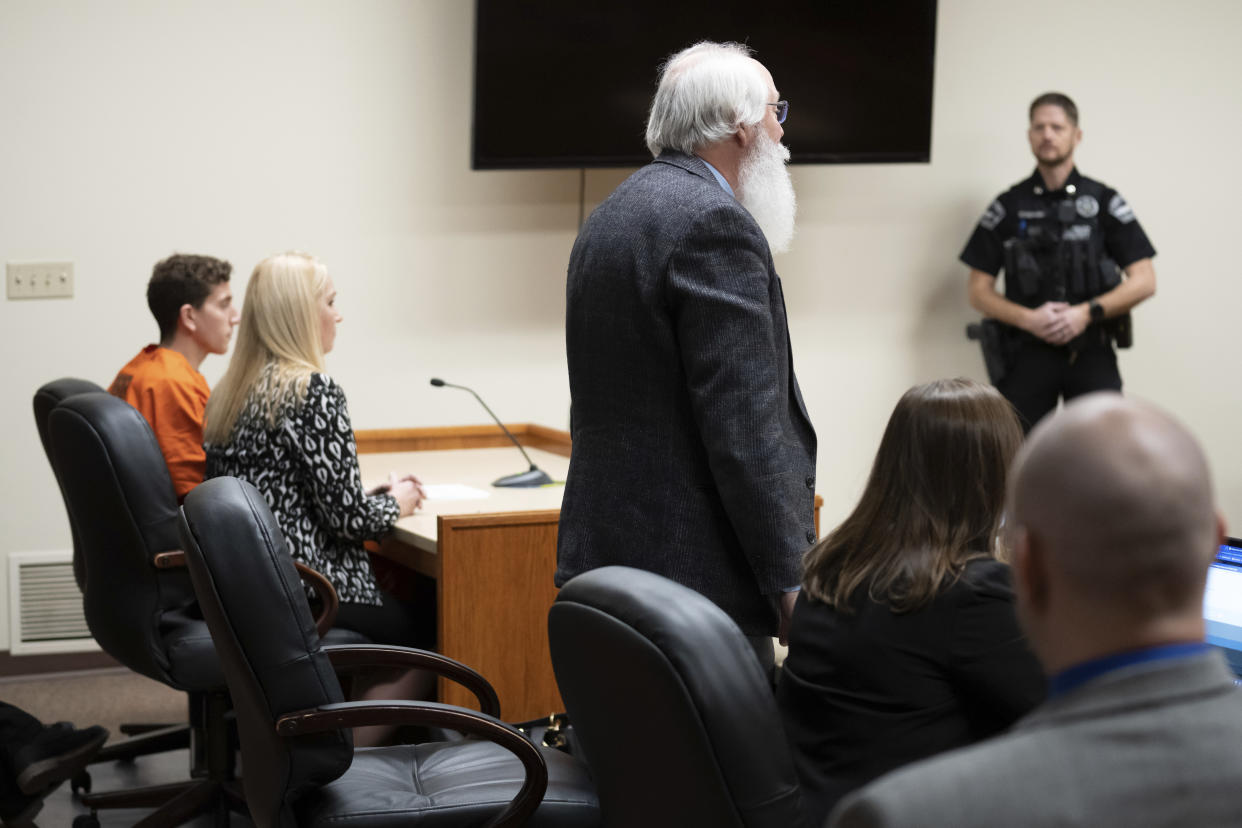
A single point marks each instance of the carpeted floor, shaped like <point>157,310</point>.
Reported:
<point>104,697</point>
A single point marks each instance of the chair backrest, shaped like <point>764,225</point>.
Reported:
<point>253,602</point>
<point>46,398</point>
<point>674,715</point>
<point>121,500</point>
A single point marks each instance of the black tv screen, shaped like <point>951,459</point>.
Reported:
<point>567,83</point>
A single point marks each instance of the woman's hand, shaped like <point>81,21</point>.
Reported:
<point>408,490</point>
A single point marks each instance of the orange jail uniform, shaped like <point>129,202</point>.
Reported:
<point>172,396</point>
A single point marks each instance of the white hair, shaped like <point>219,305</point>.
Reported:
<point>706,93</point>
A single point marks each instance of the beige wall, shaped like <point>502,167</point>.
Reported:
<point>133,129</point>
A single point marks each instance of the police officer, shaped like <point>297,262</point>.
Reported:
<point>1062,240</point>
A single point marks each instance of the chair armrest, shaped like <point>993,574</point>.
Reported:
<point>172,559</point>
<point>325,591</point>
<point>359,714</point>
<point>347,657</point>
<point>175,559</point>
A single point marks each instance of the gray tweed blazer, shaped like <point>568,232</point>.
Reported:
<point>693,455</point>
<point>1156,744</point>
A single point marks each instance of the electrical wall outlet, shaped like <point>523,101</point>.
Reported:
<point>39,280</point>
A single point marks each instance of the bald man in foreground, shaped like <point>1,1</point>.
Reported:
<point>1113,529</point>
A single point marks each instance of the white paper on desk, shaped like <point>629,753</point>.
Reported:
<point>452,491</point>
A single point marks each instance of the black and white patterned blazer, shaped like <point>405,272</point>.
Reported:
<point>306,466</point>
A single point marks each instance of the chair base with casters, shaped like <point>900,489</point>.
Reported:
<point>300,767</point>
<point>213,751</point>
<point>145,739</point>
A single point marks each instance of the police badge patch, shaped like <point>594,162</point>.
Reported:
<point>1120,210</point>
<point>1087,206</point>
<point>992,216</point>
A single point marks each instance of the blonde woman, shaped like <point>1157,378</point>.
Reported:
<point>278,421</point>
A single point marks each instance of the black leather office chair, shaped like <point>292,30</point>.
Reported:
<point>138,600</point>
<point>670,707</point>
<point>149,737</point>
<point>300,765</point>
<point>46,398</point>
<point>138,604</point>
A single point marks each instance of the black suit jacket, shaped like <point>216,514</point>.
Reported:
<point>693,455</point>
<point>866,692</point>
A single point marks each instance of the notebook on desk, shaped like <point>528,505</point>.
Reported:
<point>1222,603</point>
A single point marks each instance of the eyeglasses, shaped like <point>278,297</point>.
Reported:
<point>782,109</point>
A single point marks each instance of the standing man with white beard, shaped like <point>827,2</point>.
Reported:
<point>693,455</point>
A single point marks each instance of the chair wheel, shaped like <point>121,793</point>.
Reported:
<point>86,821</point>
<point>81,782</point>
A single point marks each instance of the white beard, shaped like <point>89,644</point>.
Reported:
<point>766,190</point>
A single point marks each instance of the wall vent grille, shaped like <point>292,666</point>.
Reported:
<point>45,605</point>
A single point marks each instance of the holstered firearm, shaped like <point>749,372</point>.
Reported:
<point>1119,328</point>
<point>995,343</point>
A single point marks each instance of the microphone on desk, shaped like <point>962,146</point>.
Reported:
<point>535,476</point>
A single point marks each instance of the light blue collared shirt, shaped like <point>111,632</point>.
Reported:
<point>720,178</point>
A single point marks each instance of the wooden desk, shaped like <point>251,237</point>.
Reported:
<point>493,558</point>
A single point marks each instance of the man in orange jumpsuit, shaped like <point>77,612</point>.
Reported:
<point>193,306</point>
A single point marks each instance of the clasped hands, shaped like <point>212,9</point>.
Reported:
<point>1058,322</point>
<point>406,488</point>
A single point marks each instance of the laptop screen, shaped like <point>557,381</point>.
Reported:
<point>1222,603</point>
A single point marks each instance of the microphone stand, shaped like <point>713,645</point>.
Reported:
<point>530,478</point>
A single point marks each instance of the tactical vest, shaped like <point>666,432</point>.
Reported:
<point>1057,253</point>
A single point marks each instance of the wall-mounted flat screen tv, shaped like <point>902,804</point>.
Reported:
<point>567,83</point>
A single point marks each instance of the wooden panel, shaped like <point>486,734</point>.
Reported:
<point>494,594</point>
<point>372,441</point>
<point>548,439</point>
<point>493,573</point>
<point>411,557</point>
<point>26,665</point>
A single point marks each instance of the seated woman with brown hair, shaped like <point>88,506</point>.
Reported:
<point>904,642</point>
<point>279,422</point>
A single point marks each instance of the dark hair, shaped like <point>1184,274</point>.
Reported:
<point>182,280</point>
<point>1055,99</point>
<point>933,501</point>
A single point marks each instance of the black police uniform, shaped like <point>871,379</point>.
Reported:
<point>1063,245</point>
